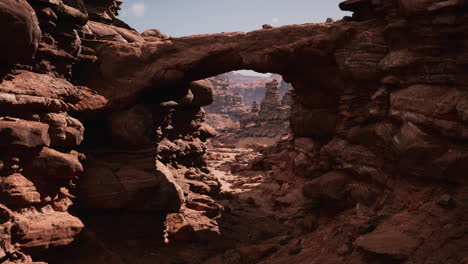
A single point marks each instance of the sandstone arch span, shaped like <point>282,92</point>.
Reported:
<point>154,66</point>
<point>310,56</point>
<point>386,89</point>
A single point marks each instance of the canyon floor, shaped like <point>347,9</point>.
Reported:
<point>253,224</point>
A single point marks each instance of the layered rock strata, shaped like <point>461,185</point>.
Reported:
<point>229,112</point>
<point>255,90</point>
<point>270,120</point>
<point>227,106</point>
<point>136,158</point>
<point>379,127</point>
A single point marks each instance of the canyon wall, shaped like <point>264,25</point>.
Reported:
<point>379,126</point>
<point>147,157</point>
<point>227,106</point>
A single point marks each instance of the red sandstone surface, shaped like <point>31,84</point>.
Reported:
<point>105,156</point>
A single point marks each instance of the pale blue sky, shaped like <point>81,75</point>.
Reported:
<point>178,18</point>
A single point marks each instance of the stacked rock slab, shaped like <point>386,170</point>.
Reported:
<point>225,101</point>
<point>227,106</point>
<point>379,123</point>
<point>38,163</point>
<point>153,161</point>
<point>252,88</point>
<point>42,111</point>
<point>271,120</point>
<point>379,109</point>
<point>271,101</point>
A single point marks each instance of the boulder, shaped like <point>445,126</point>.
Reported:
<point>48,229</point>
<point>169,195</point>
<point>417,152</point>
<point>53,164</point>
<point>376,137</point>
<point>129,35</point>
<point>6,219</point>
<point>203,93</point>
<point>64,131</point>
<point>437,107</point>
<point>191,225</point>
<point>30,92</point>
<point>17,191</point>
<point>328,187</point>
<point>151,191</point>
<point>206,131</point>
<point>106,32</point>
<point>388,242</point>
<point>129,181</point>
<point>73,13</point>
<point>340,154</point>
<point>305,145</point>
<point>186,100</point>
<point>255,253</point>
<point>113,33</point>
<point>17,132</point>
<point>362,9</point>
<point>154,33</point>
<point>19,31</point>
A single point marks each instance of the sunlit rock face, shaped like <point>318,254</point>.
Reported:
<point>235,109</point>
<point>97,117</point>
<point>227,104</point>
<point>270,119</point>
<point>253,88</point>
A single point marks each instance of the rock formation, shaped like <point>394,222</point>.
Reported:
<point>229,115</point>
<point>255,108</point>
<point>92,112</point>
<point>235,94</point>
<point>255,90</point>
<point>136,157</point>
<point>227,106</point>
<point>271,101</point>
<point>288,98</point>
<point>225,102</point>
<point>271,120</point>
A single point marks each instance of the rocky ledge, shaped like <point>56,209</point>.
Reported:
<point>96,117</point>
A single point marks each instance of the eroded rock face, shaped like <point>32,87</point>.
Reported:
<point>271,119</point>
<point>53,164</point>
<point>378,127</point>
<point>49,228</point>
<point>230,114</point>
<point>227,105</point>
<point>254,88</point>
